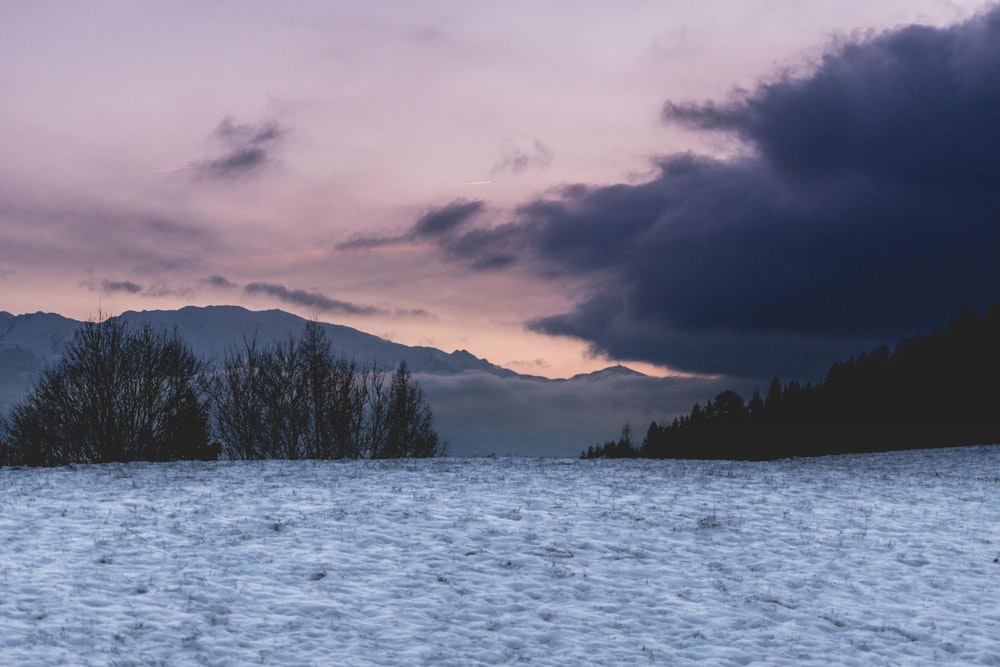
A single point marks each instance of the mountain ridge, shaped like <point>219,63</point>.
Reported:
<point>212,331</point>
<point>479,407</point>
<point>30,341</point>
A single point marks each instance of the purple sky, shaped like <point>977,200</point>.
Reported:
<point>279,155</point>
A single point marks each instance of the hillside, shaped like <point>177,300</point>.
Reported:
<point>934,390</point>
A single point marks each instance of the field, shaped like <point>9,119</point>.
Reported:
<point>872,559</point>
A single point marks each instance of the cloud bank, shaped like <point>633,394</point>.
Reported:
<point>864,207</point>
<point>481,414</point>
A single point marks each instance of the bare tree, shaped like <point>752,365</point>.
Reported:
<point>297,399</point>
<point>116,395</point>
<point>376,413</point>
<point>288,410</point>
<point>335,395</point>
<point>240,404</point>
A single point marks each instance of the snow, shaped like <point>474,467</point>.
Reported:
<point>874,559</point>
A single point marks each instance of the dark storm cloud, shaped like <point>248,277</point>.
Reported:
<point>865,208</point>
<point>246,148</point>
<point>449,227</point>
<point>435,225</point>
<point>299,297</point>
<point>917,107</point>
<point>448,218</point>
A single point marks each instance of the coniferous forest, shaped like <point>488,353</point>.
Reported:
<point>935,390</point>
<point>119,394</point>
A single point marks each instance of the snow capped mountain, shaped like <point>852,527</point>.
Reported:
<point>42,335</point>
<point>611,372</point>
<point>480,407</point>
<point>213,331</point>
<point>27,344</point>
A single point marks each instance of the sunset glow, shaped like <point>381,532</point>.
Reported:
<point>365,163</point>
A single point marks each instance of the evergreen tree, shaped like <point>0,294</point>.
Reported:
<point>409,420</point>
<point>933,391</point>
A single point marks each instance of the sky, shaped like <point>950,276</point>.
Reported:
<point>692,187</point>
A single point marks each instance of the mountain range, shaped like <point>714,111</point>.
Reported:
<point>481,408</point>
<point>28,342</point>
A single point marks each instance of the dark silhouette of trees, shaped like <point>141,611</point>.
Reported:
<point>334,390</point>
<point>123,395</point>
<point>116,395</point>
<point>297,399</point>
<point>240,402</point>
<point>409,423</point>
<point>623,448</point>
<point>931,391</point>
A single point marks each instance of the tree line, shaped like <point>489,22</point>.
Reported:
<point>930,391</point>
<point>122,394</point>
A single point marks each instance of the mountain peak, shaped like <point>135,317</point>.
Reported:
<point>616,371</point>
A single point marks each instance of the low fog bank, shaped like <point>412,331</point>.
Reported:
<point>480,414</point>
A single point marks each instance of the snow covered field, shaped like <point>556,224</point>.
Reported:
<point>879,559</point>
